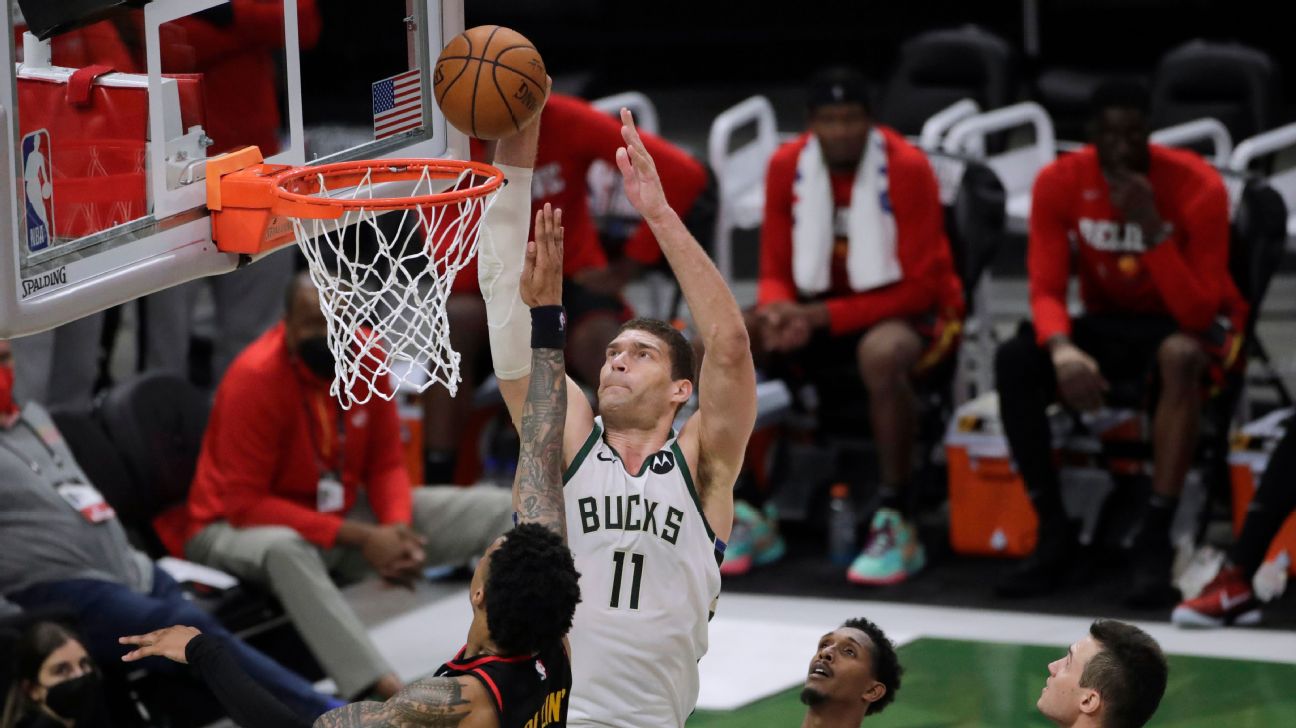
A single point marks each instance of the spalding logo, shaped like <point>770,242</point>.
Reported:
<point>663,462</point>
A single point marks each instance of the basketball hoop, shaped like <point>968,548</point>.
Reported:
<point>383,279</point>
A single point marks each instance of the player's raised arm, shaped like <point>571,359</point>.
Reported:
<point>500,259</point>
<point>538,487</point>
<point>727,381</point>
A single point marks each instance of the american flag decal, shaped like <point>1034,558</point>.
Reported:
<point>398,104</point>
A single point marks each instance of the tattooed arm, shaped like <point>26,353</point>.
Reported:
<point>435,702</point>
<point>537,488</point>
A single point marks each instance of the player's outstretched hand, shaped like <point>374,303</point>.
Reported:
<point>541,283</point>
<point>169,643</point>
<point>642,184</point>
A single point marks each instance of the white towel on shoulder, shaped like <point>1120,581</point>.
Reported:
<point>871,261</point>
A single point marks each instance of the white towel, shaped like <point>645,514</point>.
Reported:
<point>871,261</point>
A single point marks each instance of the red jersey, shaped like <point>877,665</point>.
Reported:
<point>274,432</point>
<point>1186,276</point>
<point>573,135</point>
<point>929,282</point>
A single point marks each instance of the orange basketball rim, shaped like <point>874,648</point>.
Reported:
<point>253,204</point>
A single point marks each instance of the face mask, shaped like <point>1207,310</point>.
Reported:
<point>315,354</point>
<point>76,699</point>
<point>7,404</point>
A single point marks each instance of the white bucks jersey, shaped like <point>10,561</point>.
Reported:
<point>649,579</point>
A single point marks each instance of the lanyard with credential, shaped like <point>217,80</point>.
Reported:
<point>322,458</point>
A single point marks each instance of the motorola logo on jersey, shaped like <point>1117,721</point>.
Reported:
<point>663,462</point>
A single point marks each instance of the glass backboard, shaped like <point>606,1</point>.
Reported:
<point>108,128</point>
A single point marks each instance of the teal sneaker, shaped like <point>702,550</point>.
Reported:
<point>754,541</point>
<point>892,553</point>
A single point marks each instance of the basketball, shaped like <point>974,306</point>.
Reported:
<point>489,81</point>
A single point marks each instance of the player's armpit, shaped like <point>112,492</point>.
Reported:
<point>716,467</point>
<point>437,702</point>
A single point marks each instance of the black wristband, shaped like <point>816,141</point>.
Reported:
<point>548,327</point>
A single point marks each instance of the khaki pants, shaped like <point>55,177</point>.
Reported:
<point>458,523</point>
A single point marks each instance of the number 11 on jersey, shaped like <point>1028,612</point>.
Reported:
<point>618,563</point>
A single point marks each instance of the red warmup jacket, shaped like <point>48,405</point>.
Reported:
<point>929,283</point>
<point>1186,276</point>
<point>273,432</point>
<point>573,135</point>
<point>238,68</point>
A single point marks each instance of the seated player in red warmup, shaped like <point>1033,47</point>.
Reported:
<point>1148,230</point>
<point>573,136</point>
<point>855,267</point>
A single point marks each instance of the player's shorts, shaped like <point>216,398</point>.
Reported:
<point>1125,348</point>
<point>829,362</point>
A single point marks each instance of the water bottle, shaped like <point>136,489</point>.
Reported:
<point>841,525</point>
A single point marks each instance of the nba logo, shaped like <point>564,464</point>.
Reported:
<point>38,186</point>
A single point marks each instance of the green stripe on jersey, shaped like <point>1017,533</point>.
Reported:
<point>594,436</point>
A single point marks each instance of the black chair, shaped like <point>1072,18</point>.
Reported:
<point>1236,84</point>
<point>976,224</point>
<point>156,421</point>
<point>101,461</point>
<point>1065,92</point>
<point>1259,233</point>
<point>940,67</point>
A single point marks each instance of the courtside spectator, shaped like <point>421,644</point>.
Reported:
<point>277,497</point>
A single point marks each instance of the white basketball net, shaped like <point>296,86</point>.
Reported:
<point>383,280</point>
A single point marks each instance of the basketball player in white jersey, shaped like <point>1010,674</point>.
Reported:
<point>648,508</point>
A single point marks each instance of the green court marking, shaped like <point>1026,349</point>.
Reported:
<point>964,684</point>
